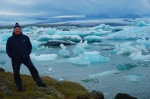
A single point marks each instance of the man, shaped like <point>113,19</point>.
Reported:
<point>18,48</point>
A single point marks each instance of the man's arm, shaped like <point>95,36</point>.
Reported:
<point>29,48</point>
<point>8,48</point>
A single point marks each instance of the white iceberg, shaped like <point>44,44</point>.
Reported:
<point>43,57</point>
<point>88,58</point>
<point>139,56</point>
<point>80,47</point>
<point>5,36</point>
<point>134,78</point>
<point>63,52</point>
<point>93,38</point>
<point>130,33</point>
<point>2,48</point>
<point>50,31</point>
<point>96,77</point>
<point>144,42</point>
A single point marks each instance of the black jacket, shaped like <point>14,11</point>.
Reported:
<point>18,47</point>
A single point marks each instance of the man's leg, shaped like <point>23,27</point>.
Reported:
<point>34,73</point>
<point>17,78</point>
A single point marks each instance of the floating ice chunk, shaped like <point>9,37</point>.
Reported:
<point>63,52</point>
<point>50,31</point>
<point>69,33</point>
<point>80,61</point>
<point>142,23</point>
<point>35,43</point>
<point>95,57</point>
<point>88,58</point>
<point>96,77</point>
<point>134,77</point>
<point>101,32</point>
<point>91,79</point>
<point>93,38</point>
<point>5,36</point>
<point>83,44</point>
<point>2,48</point>
<point>43,57</point>
<point>57,43</point>
<point>101,27</point>
<point>26,29</point>
<point>44,37</point>
<point>128,50</point>
<point>139,56</point>
<point>144,42</point>
<point>108,47</point>
<point>105,73</point>
<point>130,33</point>
<point>74,38</point>
<point>80,48</point>
<point>126,66</point>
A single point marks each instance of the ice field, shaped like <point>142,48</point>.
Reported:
<point>111,59</point>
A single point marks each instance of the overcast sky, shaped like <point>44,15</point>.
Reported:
<point>51,8</point>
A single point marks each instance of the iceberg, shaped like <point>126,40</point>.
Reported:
<point>35,43</point>
<point>5,36</point>
<point>69,33</point>
<point>134,78</point>
<point>96,77</point>
<point>93,38</point>
<point>142,23</point>
<point>44,37</point>
<point>26,29</point>
<point>79,49</point>
<point>50,31</point>
<point>130,49</point>
<point>74,38</point>
<point>83,44</point>
<point>2,48</point>
<point>101,27</point>
<point>43,57</point>
<point>100,33</point>
<point>144,42</point>
<point>130,33</point>
<point>57,43</point>
<point>63,52</point>
<point>139,56</point>
<point>88,58</point>
<point>126,66</point>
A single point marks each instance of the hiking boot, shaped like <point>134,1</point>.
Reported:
<point>42,85</point>
<point>20,89</point>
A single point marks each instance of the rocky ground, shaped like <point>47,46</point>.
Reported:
<point>54,90</point>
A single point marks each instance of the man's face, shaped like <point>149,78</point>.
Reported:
<point>17,30</point>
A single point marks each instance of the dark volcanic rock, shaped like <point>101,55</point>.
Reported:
<point>2,70</point>
<point>97,94</point>
<point>83,97</point>
<point>57,43</point>
<point>123,96</point>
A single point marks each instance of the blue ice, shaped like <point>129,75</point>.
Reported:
<point>63,52</point>
<point>88,58</point>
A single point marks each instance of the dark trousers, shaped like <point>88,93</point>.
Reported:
<point>16,68</point>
